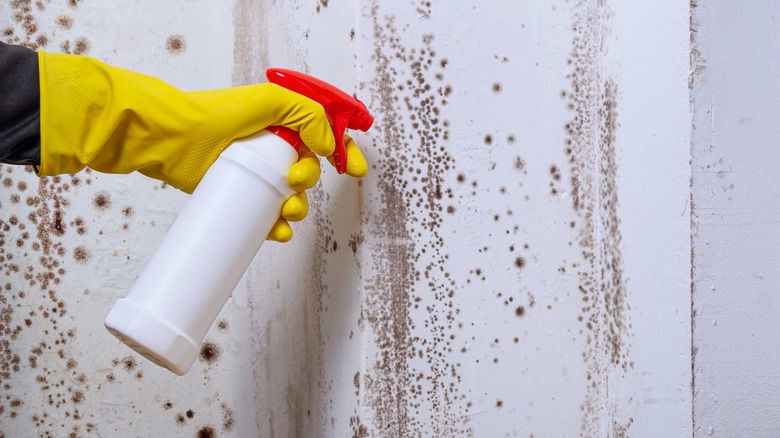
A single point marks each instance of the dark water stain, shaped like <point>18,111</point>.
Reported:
<point>591,149</point>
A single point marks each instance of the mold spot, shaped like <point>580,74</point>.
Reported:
<point>488,139</point>
<point>128,211</point>
<point>81,46</point>
<point>519,164</point>
<point>81,254</point>
<point>64,22</point>
<point>176,44</point>
<point>322,4</point>
<point>41,41</point>
<point>210,352</point>
<point>223,326</point>
<point>207,432</point>
<point>129,363</point>
<point>519,262</point>
<point>497,87</point>
<point>520,311</point>
<point>499,403</point>
<point>102,201</point>
<point>78,397</point>
<point>228,418</point>
<point>190,414</point>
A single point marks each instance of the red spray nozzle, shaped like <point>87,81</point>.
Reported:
<point>343,110</point>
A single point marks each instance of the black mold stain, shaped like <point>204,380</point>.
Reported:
<point>176,44</point>
<point>591,149</point>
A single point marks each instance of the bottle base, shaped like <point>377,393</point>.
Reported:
<point>152,337</point>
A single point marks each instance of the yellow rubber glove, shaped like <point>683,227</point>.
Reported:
<point>302,176</point>
<point>117,121</point>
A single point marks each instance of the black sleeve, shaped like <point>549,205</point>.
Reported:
<point>20,107</point>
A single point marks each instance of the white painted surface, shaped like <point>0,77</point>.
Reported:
<point>737,219</point>
<point>446,306</point>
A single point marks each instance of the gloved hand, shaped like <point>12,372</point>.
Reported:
<point>304,175</point>
<point>117,121</point>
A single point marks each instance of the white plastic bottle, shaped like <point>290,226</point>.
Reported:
<point>190,277</point>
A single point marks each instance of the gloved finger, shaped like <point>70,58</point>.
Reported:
<point>296,207</point>
<point>281,231</point>
<point>309,119</point>
<point>357,165</point>
<point>305,173</point>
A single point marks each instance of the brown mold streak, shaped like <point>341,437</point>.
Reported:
<point>412,372</point>
<point>591,149</point>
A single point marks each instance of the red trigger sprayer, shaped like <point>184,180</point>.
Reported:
<point>208,248</point>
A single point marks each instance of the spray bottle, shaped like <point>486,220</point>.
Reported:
<point>190,277</point>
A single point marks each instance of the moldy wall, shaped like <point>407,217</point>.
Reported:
<point>516,263</point>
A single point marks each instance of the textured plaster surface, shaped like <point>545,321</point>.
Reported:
<point>736,221</point>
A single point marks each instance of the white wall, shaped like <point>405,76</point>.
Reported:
<point>736,219</point>
<point>517,262</point>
